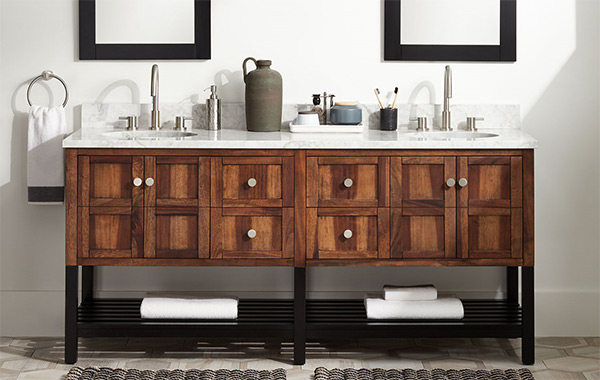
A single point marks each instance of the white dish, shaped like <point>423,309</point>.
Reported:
<point>295,128</point>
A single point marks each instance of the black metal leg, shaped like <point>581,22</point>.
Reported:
<point>299,315</point>
<point>512,284</point>
<point>527,301</point>
<point>71,285</point>
<point>87,283</point>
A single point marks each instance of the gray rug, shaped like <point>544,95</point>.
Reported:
<point>322,373</point>
<point>105,373</point>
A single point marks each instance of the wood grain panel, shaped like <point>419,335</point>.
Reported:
<point>362,262</point>
<point>71,212</point>
<point>516,233</point>
<point>528,208</point>
<point>516,182</point>
<point>177,181</point>
<point>353,160</point>
<point>383,228</point>
<point>418,234</point>
<point>83,187</point>
<point>312,182</point>
<point>177,232</point>
<point>300,208</point>
<point>364,191</point>
<point>216,182</point>
<point>137,232</point>
<point>149,172</point>
<point>237,262</point>
<point>384,181</point>
<point>421,182</point>
<point>491,233</point>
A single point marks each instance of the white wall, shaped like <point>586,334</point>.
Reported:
<point>556,81</point>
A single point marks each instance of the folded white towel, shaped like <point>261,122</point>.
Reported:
<point>445,307</point>
<point>45,162</point>
<point>188,307</point>
<point>409,293</point>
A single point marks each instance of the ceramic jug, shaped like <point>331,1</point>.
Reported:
<point>264,94</point>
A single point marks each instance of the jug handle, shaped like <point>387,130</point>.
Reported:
<point>244,66</point>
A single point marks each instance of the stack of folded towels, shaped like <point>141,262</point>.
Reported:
<point>164,306</point>
<point>413,302</point>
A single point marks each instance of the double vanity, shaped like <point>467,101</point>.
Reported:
<point>237,198</point>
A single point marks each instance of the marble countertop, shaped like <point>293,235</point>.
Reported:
<point>241,139</point>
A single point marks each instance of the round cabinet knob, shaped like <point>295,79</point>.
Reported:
<point>251,233</point>
<point>348,234</point>
<point>450,182</point>
<point>462,182</point>
<point>149,181</point>
<point>252,182</point>
<point>348,182</point>
<point>137,182</point>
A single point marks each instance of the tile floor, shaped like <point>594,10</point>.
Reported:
<point>557,358</point>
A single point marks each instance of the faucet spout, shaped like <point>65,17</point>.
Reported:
<point>446,117</point>
<point>155,115</point>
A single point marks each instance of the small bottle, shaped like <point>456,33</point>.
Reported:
<point>213,110</point>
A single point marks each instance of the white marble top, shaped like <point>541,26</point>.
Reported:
<point>241,139</point>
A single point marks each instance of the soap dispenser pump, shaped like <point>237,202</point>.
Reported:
<point>213,110</point>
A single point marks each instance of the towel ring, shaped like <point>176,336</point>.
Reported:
<point>47,75</point>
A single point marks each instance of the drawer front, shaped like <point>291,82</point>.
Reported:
<point>253,182</point>
<point>347,181</point>
<point>177,181</point>
<point>108,181</point>
<point>252,233</point>
<point>176,232</point>
<point>110,232</point>
<point>335,233</point>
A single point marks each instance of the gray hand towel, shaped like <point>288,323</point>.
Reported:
<point>45,158</point>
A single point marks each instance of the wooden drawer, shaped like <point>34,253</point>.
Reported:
<point>347,181</point>
<point>252,233</point>
<point>338,233</point>
<point>253,181</point>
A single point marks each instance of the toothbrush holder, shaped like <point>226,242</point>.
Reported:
<point>388,119</point>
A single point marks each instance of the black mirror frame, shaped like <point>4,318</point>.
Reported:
<point>505,52</point>
<point>90,50</point>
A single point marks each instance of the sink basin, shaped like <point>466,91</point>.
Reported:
<point>149,135</point>
<point>456,135</point>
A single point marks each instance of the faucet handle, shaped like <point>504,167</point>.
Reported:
<point>132,122</point>
<point>472,123</point>
<point>180,123</point>
<point>421,123</point>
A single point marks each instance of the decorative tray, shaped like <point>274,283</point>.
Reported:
<point>329,128</point>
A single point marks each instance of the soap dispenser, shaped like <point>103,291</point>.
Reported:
<point>213,110</point>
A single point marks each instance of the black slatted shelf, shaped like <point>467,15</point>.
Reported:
<point>121,317</point>
<point>348,318</point>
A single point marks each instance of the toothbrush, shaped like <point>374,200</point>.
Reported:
<point>377,95</point>
<point>395,97</point>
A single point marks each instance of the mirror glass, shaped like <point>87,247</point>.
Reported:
<point>450,22</point>
<point>145,22</point>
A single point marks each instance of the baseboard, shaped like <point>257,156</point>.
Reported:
<point>558,313</point>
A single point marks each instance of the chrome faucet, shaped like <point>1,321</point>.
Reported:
<point>446,118</point>
<point>155,115</point>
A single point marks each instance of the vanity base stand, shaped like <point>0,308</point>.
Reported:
<point>71,301</point>
<point>299,315</point>
<point>527,300</point>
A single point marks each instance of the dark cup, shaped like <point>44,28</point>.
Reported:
<point>388,119</point>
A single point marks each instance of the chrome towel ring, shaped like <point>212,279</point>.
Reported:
<point>47,75</point>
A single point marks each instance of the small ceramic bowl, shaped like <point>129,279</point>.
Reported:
<point>307,118</point>
<point>345,113</point>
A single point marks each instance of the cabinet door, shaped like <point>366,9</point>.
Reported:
<point>347,181</point>
<point>490,214</point>
<point>340,233</point>
<point>423,233</point>
<point>177,181</point>
<point>421,182</point>
<point>253,181</point>
<point>108,181</point>
<point>177,232</point>
<point>110,232</point>
<point>252,233</point>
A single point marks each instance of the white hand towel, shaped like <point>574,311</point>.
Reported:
<point>445,307</point>
<point>409,293</point>
<point>189,307</point>
<point>45,158</point>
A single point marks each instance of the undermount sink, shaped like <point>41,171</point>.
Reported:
<point>149,135</point>
<point>456,135</point>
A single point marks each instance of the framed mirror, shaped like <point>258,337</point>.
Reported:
<point>144,29</point>
<point>450,30</point>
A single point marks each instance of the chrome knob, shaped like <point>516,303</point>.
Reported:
<point>348,234</point>
<point>251,233</point>
<point>137,182</point>
<point>348,182</point>
<point>252,182</point>
<point>462,182</point>
<point>450,182</point>
<point>149,181</point>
